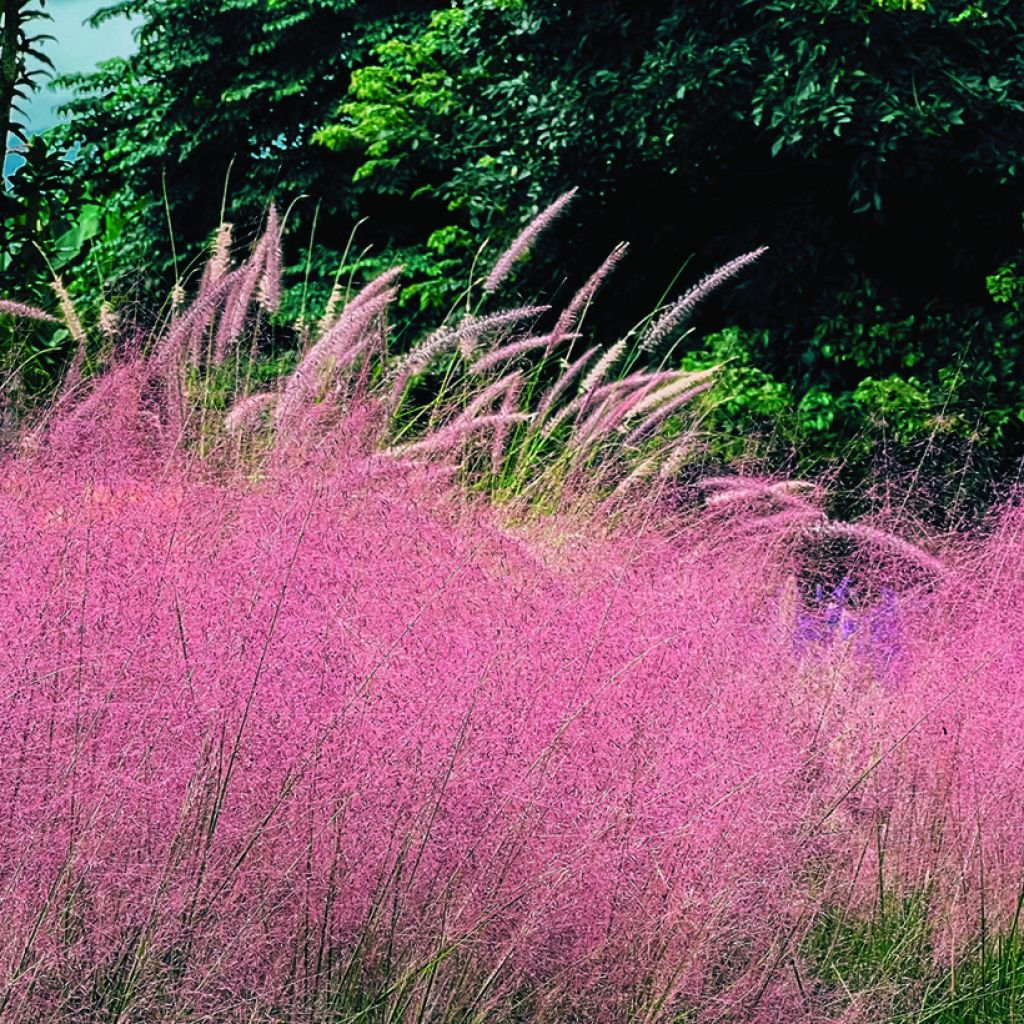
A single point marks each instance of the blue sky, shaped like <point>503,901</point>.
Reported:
<point>75,48</point>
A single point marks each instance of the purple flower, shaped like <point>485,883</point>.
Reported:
<point>873,634</point>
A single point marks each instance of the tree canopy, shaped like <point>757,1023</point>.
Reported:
<point>876,146</point>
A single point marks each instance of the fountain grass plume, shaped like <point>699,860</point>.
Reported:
<point>268,293</point>
<point>466,334</point>
<point>571,372</point>
<point>524,241</point>
<point>24,311</point>
<point>182,333</point>
<point>678,312</point>
<point>509,352</point>
<point>668,408</point>
<point>247,410</point>
<point>570,316</point>
<point>335,351</point>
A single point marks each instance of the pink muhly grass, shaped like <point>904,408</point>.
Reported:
<point>265,733</point>
<point>872,537</point>
<point>507,261</point>
<point>681,309</point>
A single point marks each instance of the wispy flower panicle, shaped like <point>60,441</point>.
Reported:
<point>107,322</point>
<point>640,383</point>
<point>332,307</point>
<point>473,328</point>
<point>457,432</point>
<point>603,366</point>
<point>219,262</point>
<point>525,240</point>
<point>569,317</point>
<point>336,349</point>
<point>588,428</point>
<point>511,382</point>
<point>172,344</point>
<point>564,382</point>
<point>680,450</point>
<point>68,312</point>
<point>236,305</point>
<point>502,430</point>
<point>246,410</point>
<point>268,292</point>
<point>25,312</point>
<point>681,309</point>
<point>663,412</point>
<point>381,283</point>
<point>676,382</point>
<point>419,359</point>
<point>507,353</point>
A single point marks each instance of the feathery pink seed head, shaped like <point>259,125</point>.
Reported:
<point>569,318</point>
<point>268,293</point>
<point>681,309</point>
<point>25,312</point>
<point>507,261</point>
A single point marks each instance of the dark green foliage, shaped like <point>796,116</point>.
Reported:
<point>222,97</point>
<point>876,149</point>
<point>875,146</point>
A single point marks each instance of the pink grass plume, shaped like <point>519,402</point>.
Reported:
<point>247,411</point>
<point>569,318</point>
<point>503,267</point>
<point>680,310</point>
<point>25,312</point>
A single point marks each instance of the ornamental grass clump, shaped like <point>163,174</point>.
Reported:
<point>297,725</point>
<point>263,737</point>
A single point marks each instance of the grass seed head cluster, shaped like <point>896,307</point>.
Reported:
<point>291,730</point>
